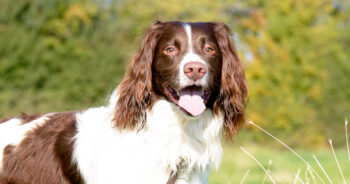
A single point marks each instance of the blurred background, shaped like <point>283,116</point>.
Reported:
<point>58,55</point>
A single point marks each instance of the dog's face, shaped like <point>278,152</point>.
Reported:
<point>187,64</point>
<point>193,65</point>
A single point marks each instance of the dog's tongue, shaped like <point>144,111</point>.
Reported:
<point>191,100</point>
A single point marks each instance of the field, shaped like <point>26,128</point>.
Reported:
<point>62,55</point>
<point>283,168</point>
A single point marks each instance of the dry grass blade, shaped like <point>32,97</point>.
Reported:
<point>307,179</point>
<point>245,176</point>
<point>289,148</point>
<point>323,170</point>
<point>296,178</point>
<point>347,139</point>
<point>262,167</point>
<point>312,174</point>
<point>336,159</point>
<point>268,168</point>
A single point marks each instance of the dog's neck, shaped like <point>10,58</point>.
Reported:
<point>195,140</point>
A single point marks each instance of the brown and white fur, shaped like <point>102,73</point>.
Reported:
<point>145,134</point>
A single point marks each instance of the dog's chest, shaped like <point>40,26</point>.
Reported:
<point>106,155</point>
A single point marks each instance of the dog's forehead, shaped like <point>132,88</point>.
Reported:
<point>201,27</point>
<point>190,29</point>
<point>172,31</point>
<point>173,28</point>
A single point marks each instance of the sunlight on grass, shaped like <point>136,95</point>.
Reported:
<point>284,168</point>
<point>289,166</point>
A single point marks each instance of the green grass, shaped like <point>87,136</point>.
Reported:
<point>284,165</point>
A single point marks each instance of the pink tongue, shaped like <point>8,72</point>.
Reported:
<point>191,100</point>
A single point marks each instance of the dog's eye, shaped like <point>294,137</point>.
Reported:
<point>209,50</point>
<point>171,51</point>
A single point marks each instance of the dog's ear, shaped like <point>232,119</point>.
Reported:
<point>233,93</point>
<point>134,92</point>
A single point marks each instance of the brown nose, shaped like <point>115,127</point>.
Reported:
<point>195,70</point>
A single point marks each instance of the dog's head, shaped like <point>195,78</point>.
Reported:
<point>193,65</point>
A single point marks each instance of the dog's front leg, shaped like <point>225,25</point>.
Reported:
<point>192,176</point>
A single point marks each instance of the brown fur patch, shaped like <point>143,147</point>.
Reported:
<point>136,88</point>
<point>25,118</point>
<point>45,154</point>
<point>172,178</point>
<point>4,120</point>
<point>8,149</point>
<point>233,94</point>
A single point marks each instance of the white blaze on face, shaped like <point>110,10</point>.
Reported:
<point>191,99</point>
<point>190,56</point>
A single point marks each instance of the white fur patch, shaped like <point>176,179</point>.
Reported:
<point>190,56</point>
<point>106,155</point>
<point>12,132</point>
<point>189,35</point>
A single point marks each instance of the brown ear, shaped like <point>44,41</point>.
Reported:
<point>134,92</point>
<point>233,90</point>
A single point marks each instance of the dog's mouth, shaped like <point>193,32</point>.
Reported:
<point>192,99</point>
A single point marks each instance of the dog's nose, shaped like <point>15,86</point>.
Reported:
<point>195,70</point>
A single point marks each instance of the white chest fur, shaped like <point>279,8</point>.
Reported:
<point>106,155</point>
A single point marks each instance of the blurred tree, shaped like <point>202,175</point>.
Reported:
<point>297,55</point>
<point>59,55</point>
<point>56,55</point>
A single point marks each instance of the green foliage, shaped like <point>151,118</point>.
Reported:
<point>297,74</point>
<point>60,55</point>
<point>56,55</point>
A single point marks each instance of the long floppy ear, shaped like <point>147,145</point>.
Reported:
<point>233,89</point>
<point>134,92</point>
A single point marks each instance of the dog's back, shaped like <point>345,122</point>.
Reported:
<point>38,149</point>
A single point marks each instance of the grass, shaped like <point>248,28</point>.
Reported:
<point>284,165</point>
<point>241,164</point>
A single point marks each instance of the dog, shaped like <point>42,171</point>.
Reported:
<point>183,91</point>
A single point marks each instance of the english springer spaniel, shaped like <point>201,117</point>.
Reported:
<point>183,89</point>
